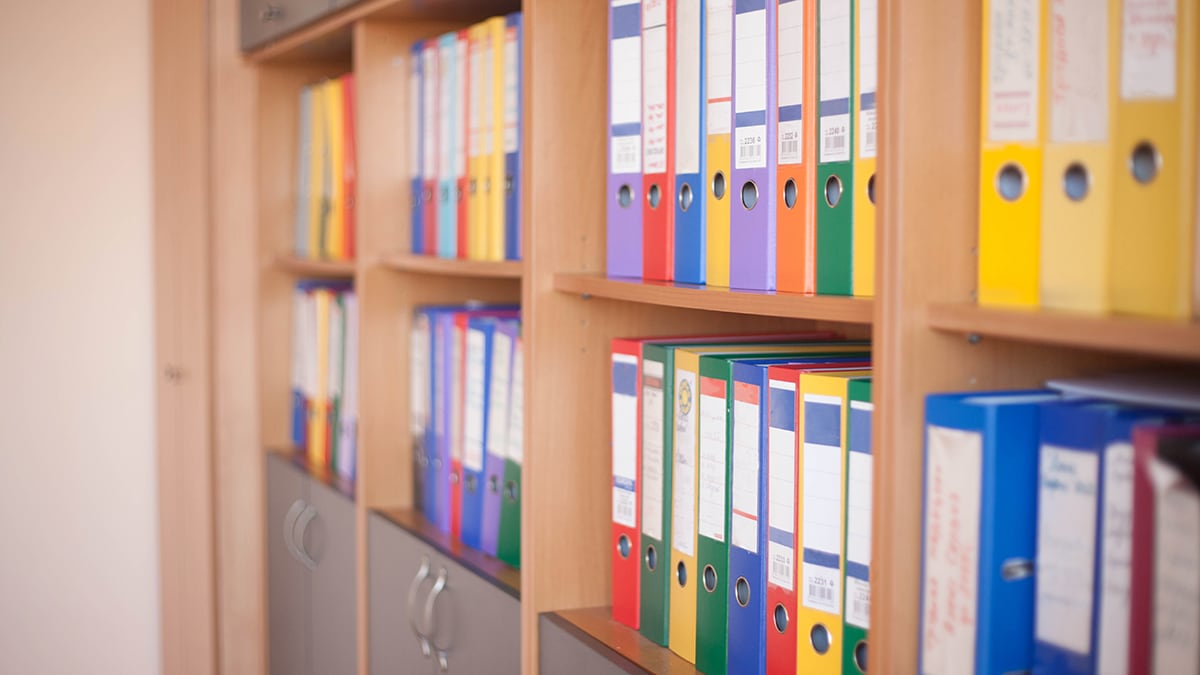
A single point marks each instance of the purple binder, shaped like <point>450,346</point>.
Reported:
<point>752,188</point>
<point>625,139</point>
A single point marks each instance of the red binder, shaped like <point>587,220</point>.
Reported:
<point>658,140</point>
<point>459,373</point>
<point>349,177</point>
<point>627,494</point>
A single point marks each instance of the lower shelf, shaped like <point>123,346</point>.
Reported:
<point>321,474</point>
<point>486,567</point>
<point>621,646</point>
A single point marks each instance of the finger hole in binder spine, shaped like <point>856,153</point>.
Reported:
<point>789,193</point>
<point>681,574</point>
<point>820,638</point>
<point>860,656</point>
<point>718,185</point>
<point>654,196</point>
<point>833,191</point>
<point>710,578</point>
<point>651,558</point>
<point>625,196</point>
<point>741,591</point>
<point>1076,182</point>
<point>871,188</point>
<point>749,195</point>
<point>780,619</point>
<point>1011,182</point>
<point>685,197</point>
<point>1145,162</point>
<point>623,546</point>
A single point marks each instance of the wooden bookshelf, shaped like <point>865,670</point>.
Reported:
<point>713,299</point>
<point>619,643</point>
<point>425,264</point>
<point>1123,334</point>
<point>314,269</point>
<point>317,472</point>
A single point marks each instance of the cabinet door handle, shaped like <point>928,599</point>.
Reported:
<point>441,650</point>
<point>302,522</point>
<point>421,576</point>
<point>270,13</point>
<point>289,529</point>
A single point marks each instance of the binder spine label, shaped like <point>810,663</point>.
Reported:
<point>418,378</point>
<point>652,449</point>
<point>429,61</point>
<point>1015,46</point>
<point>459,111</point>
<point>1078,72</point>
<point>687,87</point>
<point>683,475</point>
<point>445,124</point>
<point>781,485</point>
<point>624,439</point>
<point>858,515</point>
<point>654,88</point>
<point>1066,539</point>
<point>791,82</point>
<point>415,123</point>
<point>473,409</point>
<point>746,469</point>
<point>833,61</point>
<point>822,494</point>
<point>868,75</point>
<point>625,70</point>
<point>1149,31</point>
<point>485,103</point>
<point>949,589</point>
<point>516,407</point>
<point>1116,548</point>
<point>474,97</point>
<point>750,76</point>
<point>713,440</point>
<point>455,432</point>
<point>1176,617</point>
<point>512,93</point>
<point>718,67</point>
<point>497,431</point>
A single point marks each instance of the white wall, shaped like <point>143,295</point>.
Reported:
<point>78,539</point>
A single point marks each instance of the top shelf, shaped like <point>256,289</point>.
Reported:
<point>760,303</point>
<point>494,269</point>
<point>1122,334</point>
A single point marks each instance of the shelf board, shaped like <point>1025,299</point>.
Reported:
<point>1126,334</point>
<point>321,269</point>
<point>411,262</point>
<point>329,36</point>
<point>488,568</point>
<point>595,627</point>
<point>712,298</point>
<point>321,474</point>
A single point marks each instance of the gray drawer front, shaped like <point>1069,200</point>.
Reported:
<point>564,653</point>
<point>393,562</point>
<point>265,20</point>
<point>288,589</point>
<point>331,543</point>
<point>477,624</point>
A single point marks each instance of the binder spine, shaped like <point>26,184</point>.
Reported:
<point>746,596</point>
<point>866,69</point>
<point>781,523</point>
<point>658,147</point>
<point>795,179</point>
<point>416,148</point>
<point>429,147</point>
<point>512,137</point>
<point>690,144</point>
<point>835,146</point>
<point>447,209</point>
<point>624,188</point>
<point>625,458</point>
<point>718,123</point>
<point>657,434</point>
<point>462,148</point>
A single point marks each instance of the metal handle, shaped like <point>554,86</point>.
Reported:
<point>422,575</point>
<point>442,651</point>
<point>270,13</point>
<point>289,529</point>
<point>302,522</point>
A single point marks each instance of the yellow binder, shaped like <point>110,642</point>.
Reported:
<point>318,408</point>
<point>718,57</point>
<point>866,66</point>
<point>494,188</point>
<point>316,174</point>
<point>335,231</point>
<point>1010,193</point>
<point>1153,201</point>
<point>1077,193</point>
<point>478,167</point>
<point>820,519</point>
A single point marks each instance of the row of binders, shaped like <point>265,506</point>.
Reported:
<point>467,422</point>
<point>742,143</point>
<point>1061,531</point>
<point>465,142</point>
<point>1088,156</point>
<point>324,222</point>
<point>741,521</point>
<point>324,375</point>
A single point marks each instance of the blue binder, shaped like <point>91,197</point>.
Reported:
<point>691,196</point>
<point>1087,427</point>
<point>1005,427</point>
<point>512,150</point>
<point>416,89</point>
<point>474,482</point>
<point>447,196</point>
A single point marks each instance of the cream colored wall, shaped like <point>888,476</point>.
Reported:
<point>78,541</point>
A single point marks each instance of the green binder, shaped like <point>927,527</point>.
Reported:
<point>508,542</point>
<point>855,580</point>
<point>835,150</point>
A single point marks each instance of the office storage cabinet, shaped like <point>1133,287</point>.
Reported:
<point>264,20</point>
<point>310,560</point>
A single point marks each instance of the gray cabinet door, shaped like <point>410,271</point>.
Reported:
<point>478,626</point>
<point>264,20</point>
<point>564,653</point>
<point>288,583</point>
<point>330,541</point>
<point>394,561</point>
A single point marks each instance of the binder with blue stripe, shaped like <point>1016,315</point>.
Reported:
<point>448,112</point>
<point>416,108</point>
<point>691,142</point>
<point>512,138</point>
<point>477,393</point>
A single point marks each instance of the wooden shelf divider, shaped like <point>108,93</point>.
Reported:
<point>711,298</point>
<point>321,269</point>
<point>496,269</point>
<point>597,628</point>
<point>1124,334</point>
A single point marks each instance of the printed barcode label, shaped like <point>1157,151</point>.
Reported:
<point>791,141</point>
<point>821,587</point>
<point>749,152</point>
<point>781,572</point>
<point>751,147</point>
<point>858,602</point>
<point>624,507</point>
<point>835,138</point>
<point>789,148</point>
<point>820,593</point>
<point>626,154</point>
<point>868,125</point>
